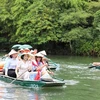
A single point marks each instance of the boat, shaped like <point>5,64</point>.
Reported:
<point>93,66</point>
<point>53,66</point>
<point>32,84</point>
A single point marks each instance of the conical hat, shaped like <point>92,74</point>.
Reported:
<point>39,55</point>
<point>31,51</point>
<point>43,52</point>
<point>12,52</point>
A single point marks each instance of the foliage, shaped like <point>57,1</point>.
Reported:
<point>75,24</point>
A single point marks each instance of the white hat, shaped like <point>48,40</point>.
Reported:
<point>21,49</point>
<point>43,52</point>
<point>12,52</point>
<point>31,51</point>
<point>39,55</point>
<point>23,54</point>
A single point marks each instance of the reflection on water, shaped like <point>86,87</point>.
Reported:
<point>11,93</point>
<point>14,92</point>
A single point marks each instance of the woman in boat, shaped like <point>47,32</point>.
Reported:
<point>11,63</point>
<point>23,67</point>
<point>21,51</point>
<point>45,61</point>
<point>33,52</point>
<point>96,64</point>
<point>38,67</point>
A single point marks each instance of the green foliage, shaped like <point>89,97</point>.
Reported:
<point>97,20</point>
<point>75,23</point>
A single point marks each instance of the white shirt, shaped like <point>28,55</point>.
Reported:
<point>11,63</point>
<point>22,66</point>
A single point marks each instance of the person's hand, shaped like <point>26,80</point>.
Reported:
<point>30,68</point>
<point>45,64</point>
<point>52,73</point>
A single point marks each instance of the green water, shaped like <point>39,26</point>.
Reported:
<point>81,83</point>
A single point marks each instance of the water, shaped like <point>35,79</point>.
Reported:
<point>81,83</point>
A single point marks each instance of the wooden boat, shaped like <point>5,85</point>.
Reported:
<point>53,66</point>
<point>32,84</point>
<point>96,67</point>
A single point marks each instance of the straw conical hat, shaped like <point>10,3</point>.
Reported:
<point>12,52</point>
<point>39,55</point>
<point>43,52</point>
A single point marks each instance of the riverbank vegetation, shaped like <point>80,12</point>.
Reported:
<point>58,26</point>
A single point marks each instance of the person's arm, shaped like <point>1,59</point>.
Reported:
<point>41,66</point>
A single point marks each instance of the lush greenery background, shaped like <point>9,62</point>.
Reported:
<point>58,26</point>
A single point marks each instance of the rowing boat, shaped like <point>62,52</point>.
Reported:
<point>29,83</point>
<point>93,66</point>
<point>53,66</point>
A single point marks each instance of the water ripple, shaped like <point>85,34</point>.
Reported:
<point>71,82</point>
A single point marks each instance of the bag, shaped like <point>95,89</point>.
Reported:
<point>37,76</point>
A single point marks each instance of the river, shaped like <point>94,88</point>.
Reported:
<point>81,83</point>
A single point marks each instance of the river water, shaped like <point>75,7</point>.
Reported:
<point>81,83</point>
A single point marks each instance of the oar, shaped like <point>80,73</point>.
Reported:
<point>18,77</point>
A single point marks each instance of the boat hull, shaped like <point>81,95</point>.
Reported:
<point>96,67</point>
<point>28,83</point>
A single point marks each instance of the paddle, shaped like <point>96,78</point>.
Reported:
<point>18,77</point>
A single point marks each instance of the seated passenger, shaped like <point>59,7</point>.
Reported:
<point>23,67</point>
<point>11,64</point>
<point>96,64</point>
<point>38,66</point>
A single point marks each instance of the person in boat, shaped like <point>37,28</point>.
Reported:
<point>27,50</point>
<point>45,61</point>
<point>20,52</point>
<point>33,52</point>
<point>5,57</point>
<point>38,67</point>
<point>23,67</point>
<point>96,64</point>
<point>11,63</point>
